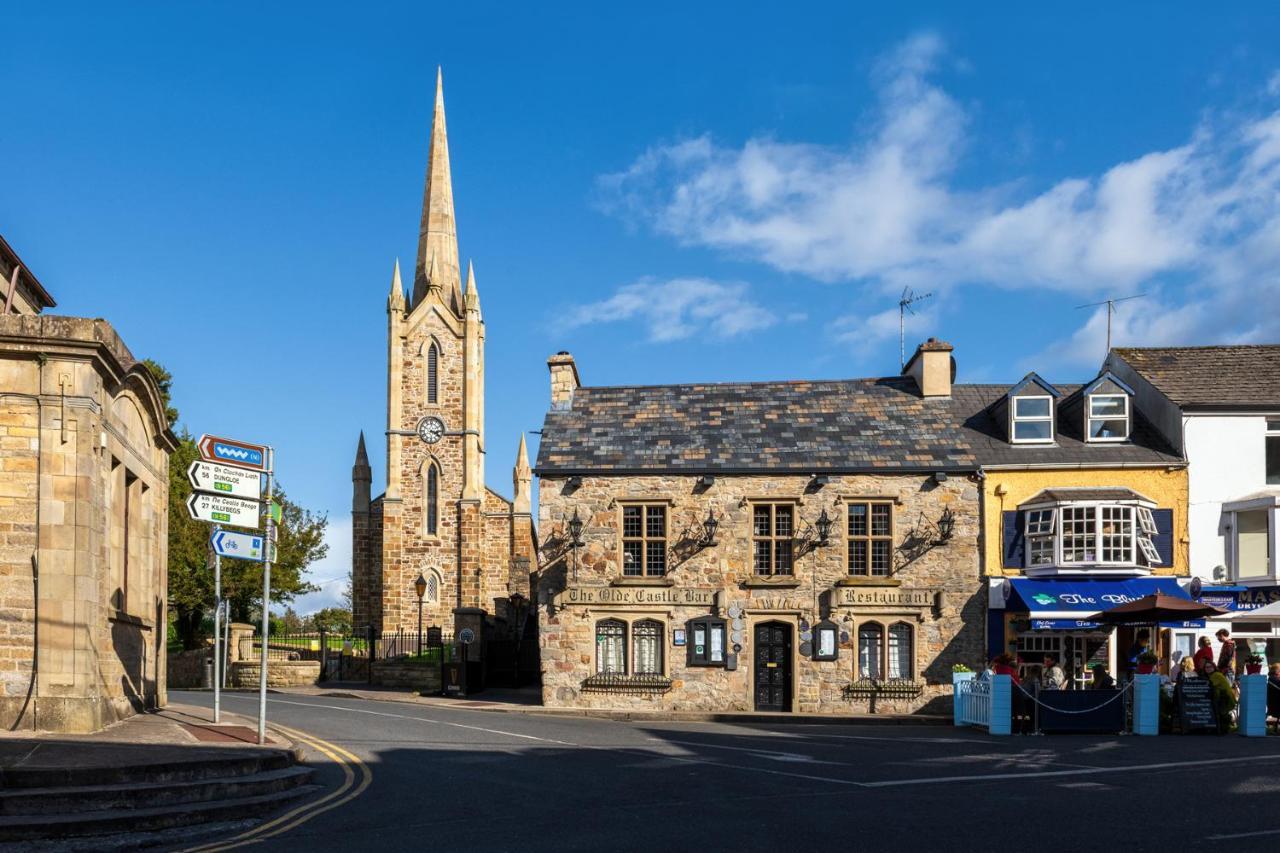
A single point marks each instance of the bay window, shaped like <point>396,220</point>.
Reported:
<point>1087,535</point>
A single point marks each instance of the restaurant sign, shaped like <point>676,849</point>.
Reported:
<point>861,596</point>
<point>635,595</point>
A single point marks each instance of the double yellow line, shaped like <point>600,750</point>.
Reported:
<point>343,794</point>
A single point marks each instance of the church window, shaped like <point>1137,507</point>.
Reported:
<point>431,523</point>
<point>433,384</point>
<point>432,595</point>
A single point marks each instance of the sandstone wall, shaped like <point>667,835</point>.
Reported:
<point>934,588</point>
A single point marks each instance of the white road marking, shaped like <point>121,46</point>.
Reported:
<point>1242,835</point>
<point>763,753</point>
<point>410,717</point>
<point>1047,774</point>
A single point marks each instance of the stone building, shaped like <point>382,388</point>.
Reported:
<point>84,450</point>
<point>437,519</point>
<point>784,546</point>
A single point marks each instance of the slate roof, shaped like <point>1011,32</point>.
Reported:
<point>1219,376</point>
<point>850,425</point>
<point>1083,494</point>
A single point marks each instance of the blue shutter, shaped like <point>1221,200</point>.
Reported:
<point>1013,540</point>
<point>1163,540</point>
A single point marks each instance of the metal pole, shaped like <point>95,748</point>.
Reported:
<point>226,641</point>
<point>419,626</point>
<point>217,621</point>
<point>266,599</point>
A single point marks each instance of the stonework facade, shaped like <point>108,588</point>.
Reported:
<point>84,450</point>
<point>933,592</point>
<point>437,519</point>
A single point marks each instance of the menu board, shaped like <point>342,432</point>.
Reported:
<point>1195,706</point>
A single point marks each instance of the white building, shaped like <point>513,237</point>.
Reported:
<point>1220,408</point>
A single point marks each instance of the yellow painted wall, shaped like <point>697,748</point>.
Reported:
<point>1167,488</point>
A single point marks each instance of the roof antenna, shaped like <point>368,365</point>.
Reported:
<point>1111,309</point>
<point>904,306</point>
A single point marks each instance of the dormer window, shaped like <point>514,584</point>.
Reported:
<point>1108,417</point>
<point>1032,419</point>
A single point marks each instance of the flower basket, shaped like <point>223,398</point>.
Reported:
<point>1253,668</point>
<point>1146,668</point>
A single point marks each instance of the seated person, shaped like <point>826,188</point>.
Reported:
<point>1102,679</point>
<point>1052,677</point>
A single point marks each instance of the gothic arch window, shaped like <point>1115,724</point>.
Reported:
<point>431,499</point>
<point>433,374</point>
<point>432,595</point>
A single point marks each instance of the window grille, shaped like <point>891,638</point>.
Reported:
<point>611,647</point>
<point>646,647</point>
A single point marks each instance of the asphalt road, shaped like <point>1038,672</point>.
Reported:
<point>456,779</point>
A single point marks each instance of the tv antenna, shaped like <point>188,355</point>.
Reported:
<point>1111,309</point>
<point>904,307</point>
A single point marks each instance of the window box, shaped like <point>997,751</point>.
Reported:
<point>617,683</point>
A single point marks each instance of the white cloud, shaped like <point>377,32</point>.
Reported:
<point>678,308</point>
<point>1199,221</point>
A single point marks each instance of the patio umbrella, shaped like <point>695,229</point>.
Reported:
<point>1157,607</point>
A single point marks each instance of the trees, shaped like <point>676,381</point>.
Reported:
<point>300,542</point>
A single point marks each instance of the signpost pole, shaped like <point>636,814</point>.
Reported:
<point>269,545</point>
<point>217,645</point>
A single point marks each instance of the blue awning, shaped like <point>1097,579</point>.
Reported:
<point>1069,597</point>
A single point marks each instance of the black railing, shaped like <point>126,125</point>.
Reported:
<point>430,644</point>
<point>607,682</point>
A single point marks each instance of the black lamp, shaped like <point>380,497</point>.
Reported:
<point>420,587</point>
<point>824,527</point>
<point>575,529</point>
<point>946,524</point>
<point>709,526</point>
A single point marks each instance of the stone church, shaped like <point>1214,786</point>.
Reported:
<point>437,519</point>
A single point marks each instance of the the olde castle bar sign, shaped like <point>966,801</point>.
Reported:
<point>885,596</point>
<point>635,595</point>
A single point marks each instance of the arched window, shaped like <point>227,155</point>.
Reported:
<point>433,385</point>
<point>646,647</point>
<point>432,595</point>
<point>611,647</point>
<point>870,650</point>
<point>901,651</point>
<point>431,501</point>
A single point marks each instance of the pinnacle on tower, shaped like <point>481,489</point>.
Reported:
<point>522,477</point>
<point>395,300</point>
<point>471,297</point>
<point>361,479</point>
<point>438,235</point>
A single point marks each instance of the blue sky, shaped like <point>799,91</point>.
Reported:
<point>672,192</point>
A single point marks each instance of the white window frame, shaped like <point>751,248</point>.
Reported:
<point>1090,417</point>
<point>1272,435</point>
<point>1270,576</point>
<point>1015,419</point>
<point>1142,530</point>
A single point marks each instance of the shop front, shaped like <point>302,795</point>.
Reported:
<point>1253,620</point>
<point>1030,618</point>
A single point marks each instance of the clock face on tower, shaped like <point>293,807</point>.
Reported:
<point>430,429</point>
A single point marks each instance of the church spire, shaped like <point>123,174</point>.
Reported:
<point>522,477</point>
<point>438,235</point>
<point>471,296</point>
<point>361,478</point>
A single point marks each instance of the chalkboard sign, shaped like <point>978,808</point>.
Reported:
<point>1195,706</point>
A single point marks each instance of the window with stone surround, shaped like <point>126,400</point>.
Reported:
<point>886,653</point>
<point>432,595</point>
<point>431,500</point>
<point>433,369</point>
<point>870,538</point>
<point>644,540</point>
<point>772,535</point>
<point>646,647</point>
<point>611,647</point>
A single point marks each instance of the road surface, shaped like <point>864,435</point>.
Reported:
<point>458,779</point>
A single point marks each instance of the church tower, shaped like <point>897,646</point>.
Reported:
<point>437,519</point>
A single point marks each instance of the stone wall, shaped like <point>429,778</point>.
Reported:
<point>934,588</point>
<point>189,668</point>
<point>84,450</point>
<point>280,673</point>
<point>424,677</point>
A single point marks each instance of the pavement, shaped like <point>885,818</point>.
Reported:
<point>443,776</point>
<point>177,734</point>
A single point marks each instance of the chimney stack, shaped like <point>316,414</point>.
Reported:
<point>564,380</point>
<point>931,367</point>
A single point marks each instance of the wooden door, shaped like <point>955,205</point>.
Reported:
<point>773,666</point>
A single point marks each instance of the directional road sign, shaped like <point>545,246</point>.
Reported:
<point>241,546</point>
<point>232,452</point>
<point>225,480</point>
<point>237,512</point>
